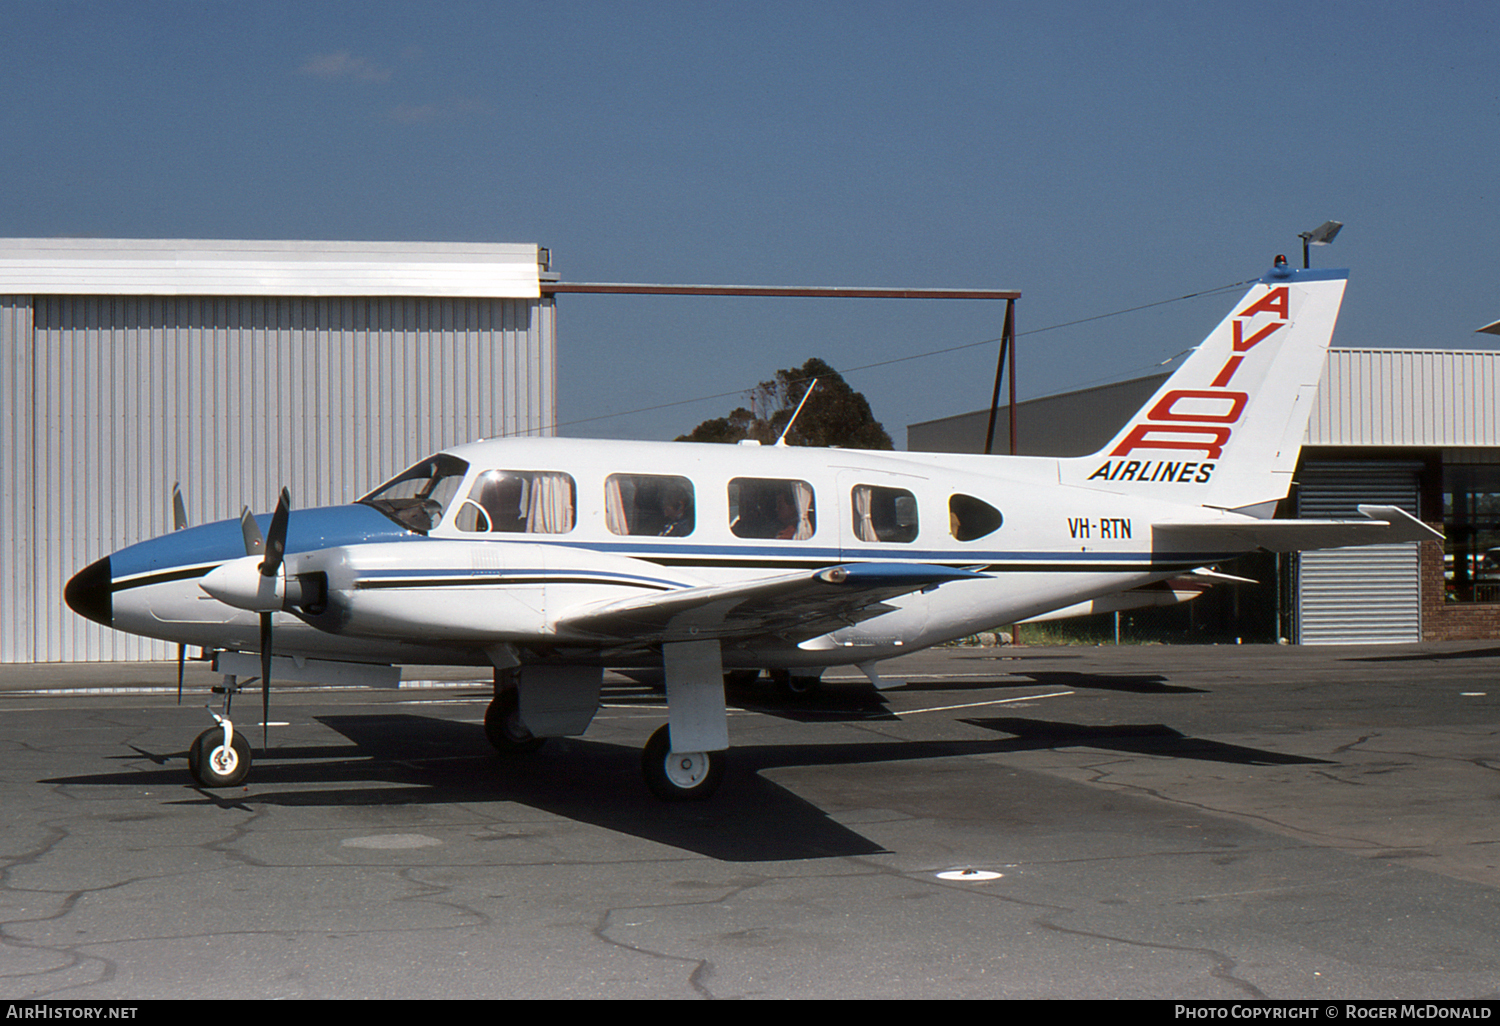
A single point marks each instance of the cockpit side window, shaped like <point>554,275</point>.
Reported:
<point>654,504</point>
<point>970,518</point>
<point>416,498</point>
<point>770,508</point>
<point>884,514</point>
<point>523,501</point>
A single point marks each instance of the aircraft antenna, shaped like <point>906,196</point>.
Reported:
<point>805,395</point>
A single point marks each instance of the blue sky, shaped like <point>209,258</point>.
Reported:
<point>1097,156</point>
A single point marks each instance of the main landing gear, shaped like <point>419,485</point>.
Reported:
<point>679,776</point>
<point>504,728</point>
<point>670,776</point>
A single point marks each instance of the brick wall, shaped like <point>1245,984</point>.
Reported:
<point>1451,621</point>
<point>1443,620</point>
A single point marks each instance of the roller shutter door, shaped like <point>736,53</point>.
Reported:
<point>1366,595</point>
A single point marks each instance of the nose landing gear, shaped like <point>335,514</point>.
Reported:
<point>220,756</point>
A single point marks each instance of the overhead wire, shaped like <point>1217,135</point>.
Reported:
<point>924,355</point>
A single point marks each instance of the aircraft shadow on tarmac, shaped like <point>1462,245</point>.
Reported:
<point>404,759</point>
<point>1134,738</point>
<point>1422,657</point>
<point>850,701</point>
<point>827,703</point>
<point>1132,683</point>
<point>413,759</point>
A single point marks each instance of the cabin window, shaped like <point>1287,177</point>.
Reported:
<point>769,508</point>
<point>519,501</point>
<point>652,504</point>
<point>970,518</point>
<point>884,514</point>
<point>416,497</point>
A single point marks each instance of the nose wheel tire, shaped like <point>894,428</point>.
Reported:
<point>214,765</point>
<point>680,776</point>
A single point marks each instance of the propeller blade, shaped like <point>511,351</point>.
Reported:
<point>276,537</point>
<point>254,544</point>
<point>179,509</point>
<point>179,521</point>
<point>265,680</point>
<point>275,551</point>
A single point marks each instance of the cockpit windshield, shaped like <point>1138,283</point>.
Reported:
<point>416,498</point>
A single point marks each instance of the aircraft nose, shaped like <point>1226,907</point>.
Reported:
<point>90,592</point>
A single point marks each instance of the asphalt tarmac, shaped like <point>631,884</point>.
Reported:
<point>1187,823</point>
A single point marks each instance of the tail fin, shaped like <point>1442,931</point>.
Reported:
<point>1225,429</point>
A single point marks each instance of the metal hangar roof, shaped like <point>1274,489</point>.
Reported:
<point>187,267</point>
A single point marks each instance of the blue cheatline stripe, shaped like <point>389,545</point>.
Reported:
<point>436,577</point>
<point>440,577</point>
<point>195,551</point>
<point>704,555</point>
<point>884,573</point>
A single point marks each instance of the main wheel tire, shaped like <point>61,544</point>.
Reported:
<point>504,728</point>
<point>680,776</point>
<point>213,765</point>
<point>795,687</point>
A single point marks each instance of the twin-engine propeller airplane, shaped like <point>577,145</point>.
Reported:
<point>551,559</point>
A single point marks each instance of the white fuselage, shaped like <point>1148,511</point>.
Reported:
<point>484,575</point>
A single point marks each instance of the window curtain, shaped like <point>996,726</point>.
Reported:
<point>548,502</point>
<point>614,506</point>
<point>804,495</point>
<point>864,526</point>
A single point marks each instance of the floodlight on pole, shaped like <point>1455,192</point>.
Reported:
<point>1322,235</point>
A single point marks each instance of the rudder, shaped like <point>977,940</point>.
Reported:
<point>1225,429</point>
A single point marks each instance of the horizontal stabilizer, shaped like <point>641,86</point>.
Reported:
<point>793,606</point>
<point>1386,525</point>
<point>1211,577</point>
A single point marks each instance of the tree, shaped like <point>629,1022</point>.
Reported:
<point>834,415</point>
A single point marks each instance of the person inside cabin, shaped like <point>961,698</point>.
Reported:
<point>676,514</point>
<point>770,508</point>
<point>787,518</point>
<point>501,497</point>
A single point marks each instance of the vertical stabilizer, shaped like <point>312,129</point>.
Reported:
<point>1225,429</point>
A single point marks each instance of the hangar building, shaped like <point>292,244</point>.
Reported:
<point>236,367</point>
<point>1415,428</point>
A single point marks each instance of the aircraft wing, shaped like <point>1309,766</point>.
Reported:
<point>795,606</point>
<point>1385,525</point>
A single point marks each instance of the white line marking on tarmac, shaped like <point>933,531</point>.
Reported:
<point>971,705</point>
<point>938,677</point>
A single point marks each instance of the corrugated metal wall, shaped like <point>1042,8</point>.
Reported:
<point>109,400</point>
<point>17,563</point>
<point>1366,595</point>
<point>1407,397</point>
